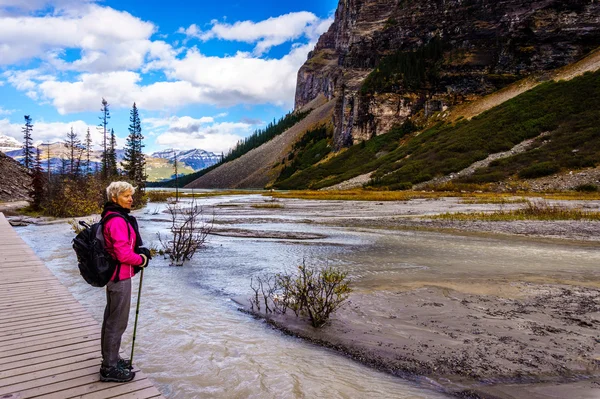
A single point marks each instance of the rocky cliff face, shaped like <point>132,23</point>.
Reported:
<point>478,47</point>
<point>15,182</point>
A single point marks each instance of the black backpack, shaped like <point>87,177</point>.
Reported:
<point>95,263</point>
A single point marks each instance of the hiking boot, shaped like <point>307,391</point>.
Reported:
<point>115,374</point>
<point>124,364</point>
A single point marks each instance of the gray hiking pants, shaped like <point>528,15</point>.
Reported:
<point>116,316</point>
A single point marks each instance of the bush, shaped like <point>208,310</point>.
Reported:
<point>188,232</point>
<point>73,197</point>
<point>159,196</point>
<point>588,188</point>
<point>540,169</point>
<point>311,292</point>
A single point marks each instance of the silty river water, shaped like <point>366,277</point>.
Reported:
<point>194,343</point>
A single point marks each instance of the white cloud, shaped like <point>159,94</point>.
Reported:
<point>266,34</point>
<point>116,54</point>
<point>196,79</point>
<point>178,123</point>
<point>201,133</point>
<point>108,39</point>
<point>52,132</point>
<point>25,6</point>
<point>6,111</point>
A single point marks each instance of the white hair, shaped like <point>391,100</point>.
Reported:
<point>117,188</point>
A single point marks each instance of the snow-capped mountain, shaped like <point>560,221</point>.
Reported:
<point>195,158</point>
<point>8,143</point>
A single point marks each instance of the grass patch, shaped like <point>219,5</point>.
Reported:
<point>483,197</point>
<point>493,200</point>
<point>267,206</point>
<point>534,210</point>
<point>159,196</point>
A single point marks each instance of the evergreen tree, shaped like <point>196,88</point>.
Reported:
<point>28,158</point>
<point>88,148</point>
<point>38,183</point>
<point>104,117</point>
<point>112,155</point>
<point>134,161</point>
<point>74,145</point>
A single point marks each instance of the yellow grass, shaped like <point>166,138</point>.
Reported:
<point>534,210</point>
<point>476,197</point>
<point>267,206</point>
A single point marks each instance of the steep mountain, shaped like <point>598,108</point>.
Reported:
<point>15,182</point>
<point>196,159</point>
<point>384,61</point>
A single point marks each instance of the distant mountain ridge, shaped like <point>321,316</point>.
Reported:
<point>159,164</point>
<point>195,158</point>
<point>8,143</point>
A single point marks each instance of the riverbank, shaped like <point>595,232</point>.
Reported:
<point>481,334</point>
<point>501,344</point>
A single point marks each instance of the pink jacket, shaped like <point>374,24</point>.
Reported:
<point>121,246</point>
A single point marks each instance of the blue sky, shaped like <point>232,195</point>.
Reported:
<point>203,74</point>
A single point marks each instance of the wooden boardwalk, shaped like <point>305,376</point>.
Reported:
<point>49,344</point>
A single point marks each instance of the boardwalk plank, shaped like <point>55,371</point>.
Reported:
<point>44,332</point>
<point>49,372</point>
<point>56,337</point>
<point>70,353</point>
<point>133,390</point>
<point>36,348</point>
<point>41,326</point>
<point>57,351</point>
<point>29,317</point>
<point>53,383</point>
<point>54,363</point>
<point>102,388</point>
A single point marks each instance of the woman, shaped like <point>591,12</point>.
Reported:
<point>124,243</point>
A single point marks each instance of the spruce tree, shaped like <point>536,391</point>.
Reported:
<point>88,149</point>
<point>74,144</point>
<point>38,183</point>
<point>112,155</point>
<point>28,158</point>
<point>104,117</point>
<point>134,161</point>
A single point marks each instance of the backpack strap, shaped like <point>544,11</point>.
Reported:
<point>104,220</point>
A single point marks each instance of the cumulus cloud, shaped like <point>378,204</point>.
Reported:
<point>114,55</point>
<point>266,34</point>
<point>26,6</point>
<point>251,121</point>
<point>202,132</point>
<point>107,39</point>
<point>195,79</point>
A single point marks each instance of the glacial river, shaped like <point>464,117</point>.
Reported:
<point>194,343</point>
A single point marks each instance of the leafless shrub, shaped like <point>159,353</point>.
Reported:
<point>188,232</point>
<point>311,292</point>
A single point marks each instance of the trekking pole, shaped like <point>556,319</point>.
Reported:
<point>137,312</point>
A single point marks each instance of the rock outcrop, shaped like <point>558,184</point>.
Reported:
<point>483,46</point>
<point>15,181</point>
